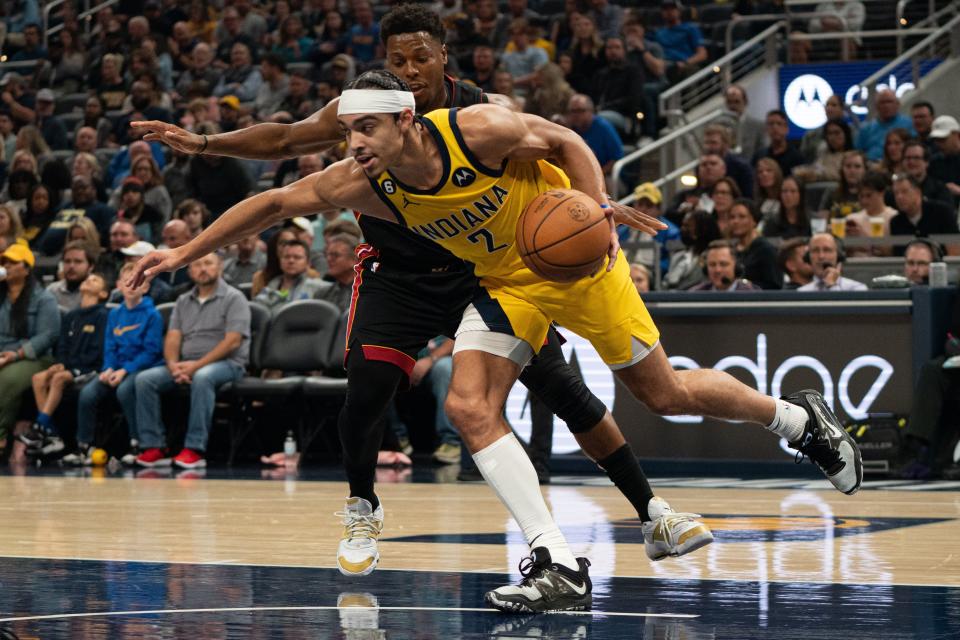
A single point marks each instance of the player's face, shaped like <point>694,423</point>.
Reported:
<point>375,140</point>
<point>419,60</point>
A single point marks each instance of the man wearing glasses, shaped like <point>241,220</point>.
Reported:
<point>338,285</point>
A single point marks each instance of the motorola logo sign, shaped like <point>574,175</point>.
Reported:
<point>804,100</point>
<point>763,376</point>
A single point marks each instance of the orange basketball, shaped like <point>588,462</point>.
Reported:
<point>563,235</point>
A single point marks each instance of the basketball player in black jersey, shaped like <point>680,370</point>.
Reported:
<point>409,290</point>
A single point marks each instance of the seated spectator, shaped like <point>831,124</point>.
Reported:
<point>754,252</point>
<point>873,207</point>
<point>599,134</point>
<point>641,277</point>
<point>363,38</point>
<point>767,192</point>
<point>240,268</point>
<point>201,76</point>
<point>945,134</point>
<point>181,45</point>
<point>842,200</point>
<point>207,345</point>
<point>299,101</point>
<point>781,150</point>
<point>70,61</point>
<point>292,283</point>
<point>276,84</point>
<point>84,231</point>
<point>916,162</point>
<point>792,217</point>
<point>30,140</point>
<point>718,140</point>
<point>303,229</point>
<point>873,132</point>
<point>195,214</point>
<point>122,162</point>
<point>241,78</point>
<point>155,193</point>
<point>484,66</point>
<point>792,262</point>
<point>85,165</point>
<point>434,367</point>
<point>229,107</point>
<point>649,200</point>
<point>122,235</point>
<point>19,184</point>
<point>93,117</point>
<point>893,144</point>
<point>217,181</point>
<point>720,268</point>
<point>78,354</point>
<point>293,45</point>
<point>7,136</point>
<point>110,85</point>
<point>147,220</point>
<point>11,229</point>
<point>83,204</point>
<point>338,281</point>
<point>921,115</point>
<point>619,88</point>
<point>524,58</point>
<point>710,170</point>
<point>76,265</point>
<point>917,216</point>
<point>272,268</point>
<point>837,140</point>
<point>682,42</point>
<point>32,48</point>
<point>722,197</point>
<point>85,140</point>
<point>175,234</point>
<point>141,108</point>
<point>587,54</point>
<point>697,231</point>
<point>18,102</point>
<point>40,211</point>
<point>647,55</point>
<point>159,291</point>
<point>826,255</point>
<point>841,15</point>
<point>814,143</point>
<point>491,24</point>
<point>503,86</point>
<point>29,326</point>
<point>51,127</point>
<point>917,257</point>
<point>230,32</point>
<point>551,93</point>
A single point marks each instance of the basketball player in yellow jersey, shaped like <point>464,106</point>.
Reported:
<point>463,179</point>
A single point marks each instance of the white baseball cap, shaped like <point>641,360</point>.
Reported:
<point>943,126</point>
<point>138,249</point>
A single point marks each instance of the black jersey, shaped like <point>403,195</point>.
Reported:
<point>398,246</point>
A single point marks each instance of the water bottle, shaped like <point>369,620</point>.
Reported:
<point>938,274</point>
<point>289,446</point>
<point>3,274</point>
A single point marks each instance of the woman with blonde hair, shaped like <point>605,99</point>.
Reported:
<point>30,139</point>
<point>551,93</point>
<point>86,164</point>
<point>766,192</point>
<point>84,230</point>
<point>25,160</point>
<point>11,229</point>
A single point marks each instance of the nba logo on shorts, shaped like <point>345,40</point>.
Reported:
<point>464,177</point>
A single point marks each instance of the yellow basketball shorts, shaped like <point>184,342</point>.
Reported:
<point>605,309</point>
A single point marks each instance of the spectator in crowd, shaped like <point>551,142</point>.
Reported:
<point>599,134</point>
<point>110,85</point>
<point>697,231</point>
<point>76,264</point>
<point>363,38</point>
<point>648,55</point>
<point>122,235</point>
<point>228,32</point>
<point>503,85</point>
<point>201,76</point>
<point>491,24</point>
<point>641,277</point>
<point>95,118</point>
<point>229,107</point>
<point>945,134</point>
<point>587,54</point>
<point>682,42</point>
<point>254,24</point>
<point>293,283</point>
<point>917,257</point>
<point>551,93</point>
<point>241,78</point>
<point>792,263</point>
<point>51,127</point>
<point>141,108</point>
<point>303,229</point>
<point>792,218</point>
<point>83,203</point>
<point>11,229</point>
<point>619,88</point>
<point>718,140</point>
<point>181,45</point>
<point>840,15</point>
<point>337,284</point>
<point>19,184</point>
<point>155,194</point>
<point>7,136</point>
<point>922,115</point>
<point>710,170</point>
<point>331,39</point>
<point>842,200</point>
<point>271,269</point>
<point>40,211</point>
<point>723,195</point>
<point>769,182</point>
<point>218,182</point>
<point>873,132</point>
<point>814,144</point>
<point>176,176</point>
<point>649,200</point>
<point>720,269</point>
<point>175,234</point>
<point>85,140</point>
<point>18,102</point>
<point>754,252</point>
<point>147,220</point>
<point>298,101</point>
<point>83,230</point>
<point>826,166</point>
<point>32,49</point>
<point>78,355</point>
<point>781,150</point>
<point>134,343</point>
<point>30,140</point>
<point>525,58</point>
<point>240,268</point>
<point>276,84</point>
<point>484,66</point>
<point>608,18</point>
<point>917,216</point>
<point>122,162</point>
<point>29,326</point>
<point>826,256</point>
<point>206,346</point>
<point>916,162</point>
<point>201,22</point>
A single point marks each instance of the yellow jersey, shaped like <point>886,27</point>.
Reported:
<point>473,210</point>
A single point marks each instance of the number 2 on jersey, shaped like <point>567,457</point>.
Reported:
<point>487,238</point>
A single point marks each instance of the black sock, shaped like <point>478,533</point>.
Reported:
<point>624,469</point>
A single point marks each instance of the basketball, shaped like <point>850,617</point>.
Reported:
<point>98,457</point>
<point>563,235</point>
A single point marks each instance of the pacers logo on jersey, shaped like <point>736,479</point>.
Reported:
<point>464,177</point>
<point>388,187</point>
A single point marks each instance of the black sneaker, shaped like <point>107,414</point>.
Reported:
<point>546,586</point>
<point>79,457</point>
<point>33,439</point>
<point>827,443</point>
<point>40,442</point>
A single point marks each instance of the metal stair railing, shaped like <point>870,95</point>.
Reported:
<point>83,17</point>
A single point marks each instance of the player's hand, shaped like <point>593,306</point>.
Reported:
<point>614,244</point>
<point>420,369</point>
<point>169,134</point>
<point>622,214</point>
<point>154,263</point>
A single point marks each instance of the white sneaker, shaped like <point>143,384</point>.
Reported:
<point>357,554</point>
<point>669,533</point>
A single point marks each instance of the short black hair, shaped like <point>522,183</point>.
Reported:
<point>778,112</point>
<point>906,177</point>
<point>923,104</point>
<point>750,206</point>
<point>412,17</point>
<point>274,60</point>
<point>875,180</point>
<point>379,79</point>
<point>917,143</point>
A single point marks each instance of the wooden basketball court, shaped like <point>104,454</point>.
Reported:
<point>107,556</point>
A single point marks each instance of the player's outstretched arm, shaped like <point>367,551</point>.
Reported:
<point>313,194</point>
<point>265,141</point>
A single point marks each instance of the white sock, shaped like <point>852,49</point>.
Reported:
<point>509,472</point>
<point>789,422</point>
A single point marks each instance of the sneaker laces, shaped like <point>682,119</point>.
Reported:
<point>359,526</point>
<point>821,453</point>
<point>531,569</point>
<point>678,515</point>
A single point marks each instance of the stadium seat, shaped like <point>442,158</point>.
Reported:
<point>70,102</point>
<point>814,193</point>
<point>325,393</point>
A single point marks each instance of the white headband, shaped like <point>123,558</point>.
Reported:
<point>375,101</point>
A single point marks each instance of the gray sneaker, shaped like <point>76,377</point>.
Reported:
<point>827,443</point>
<point>546,586</point>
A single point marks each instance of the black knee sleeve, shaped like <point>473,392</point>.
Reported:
<point>560,388</point>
